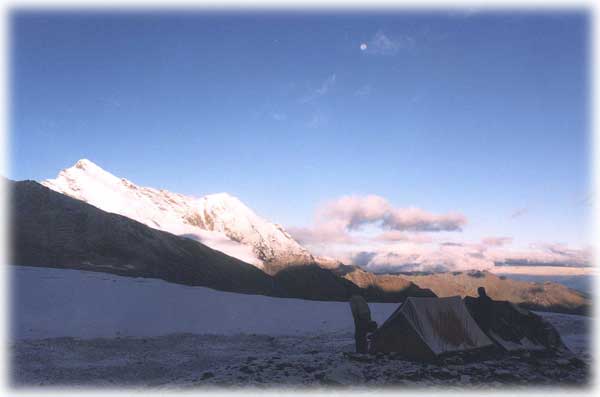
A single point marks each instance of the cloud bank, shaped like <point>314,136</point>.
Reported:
<point>496,241</point>
<point>457,257</point>
<point>368,231</point>
<point>337,220</point>
<point>546,255</point>
<point>356,211</point>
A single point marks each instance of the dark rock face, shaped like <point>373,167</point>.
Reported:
<point>314,282</point>
<point>53,230</point>
<point>382,287</point>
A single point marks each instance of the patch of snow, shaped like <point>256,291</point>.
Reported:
<point>62,302</point>
<point>226,214</point>
<point>574,330</point>
<point>50,302</point>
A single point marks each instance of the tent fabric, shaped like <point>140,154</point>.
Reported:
<point>428,327</point>
<point>514,328</point>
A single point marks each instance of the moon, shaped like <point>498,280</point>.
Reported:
<point>363,46</point>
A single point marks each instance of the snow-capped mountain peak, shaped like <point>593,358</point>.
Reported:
<point>87,164</point>
<point>219,220</point>
<point>226,214</point>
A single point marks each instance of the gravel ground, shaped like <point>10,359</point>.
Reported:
<point>189,361</point>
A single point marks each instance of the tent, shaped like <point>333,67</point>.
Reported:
<point>424,328</point>
<point>515,329</point>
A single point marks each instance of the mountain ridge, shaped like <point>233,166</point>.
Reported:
<point>220,220</point>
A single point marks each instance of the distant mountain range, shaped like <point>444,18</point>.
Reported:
<point>547,296</point>
<point>87,218</point>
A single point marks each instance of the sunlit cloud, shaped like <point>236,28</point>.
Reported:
<point>368,231</point>
<point>336,220</point>
<point>496,241</point>
<point>458,257</point>
<point>396,235</point>
<point>356,211</point>
<point>433,258</point>
<point>327,233</point>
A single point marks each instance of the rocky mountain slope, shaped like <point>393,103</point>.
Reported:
<point>219,221</point>
<point>53,230</point>
<point>270,242</point>
<point>546,296</point>
<point>386,285</point>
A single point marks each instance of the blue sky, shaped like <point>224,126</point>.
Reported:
<point>485,114</point>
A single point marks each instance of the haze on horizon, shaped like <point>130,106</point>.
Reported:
<point>382,140</point>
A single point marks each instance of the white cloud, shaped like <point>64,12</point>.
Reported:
<point>381,44</point>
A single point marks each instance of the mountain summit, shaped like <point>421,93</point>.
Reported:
<point>220,221</point>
